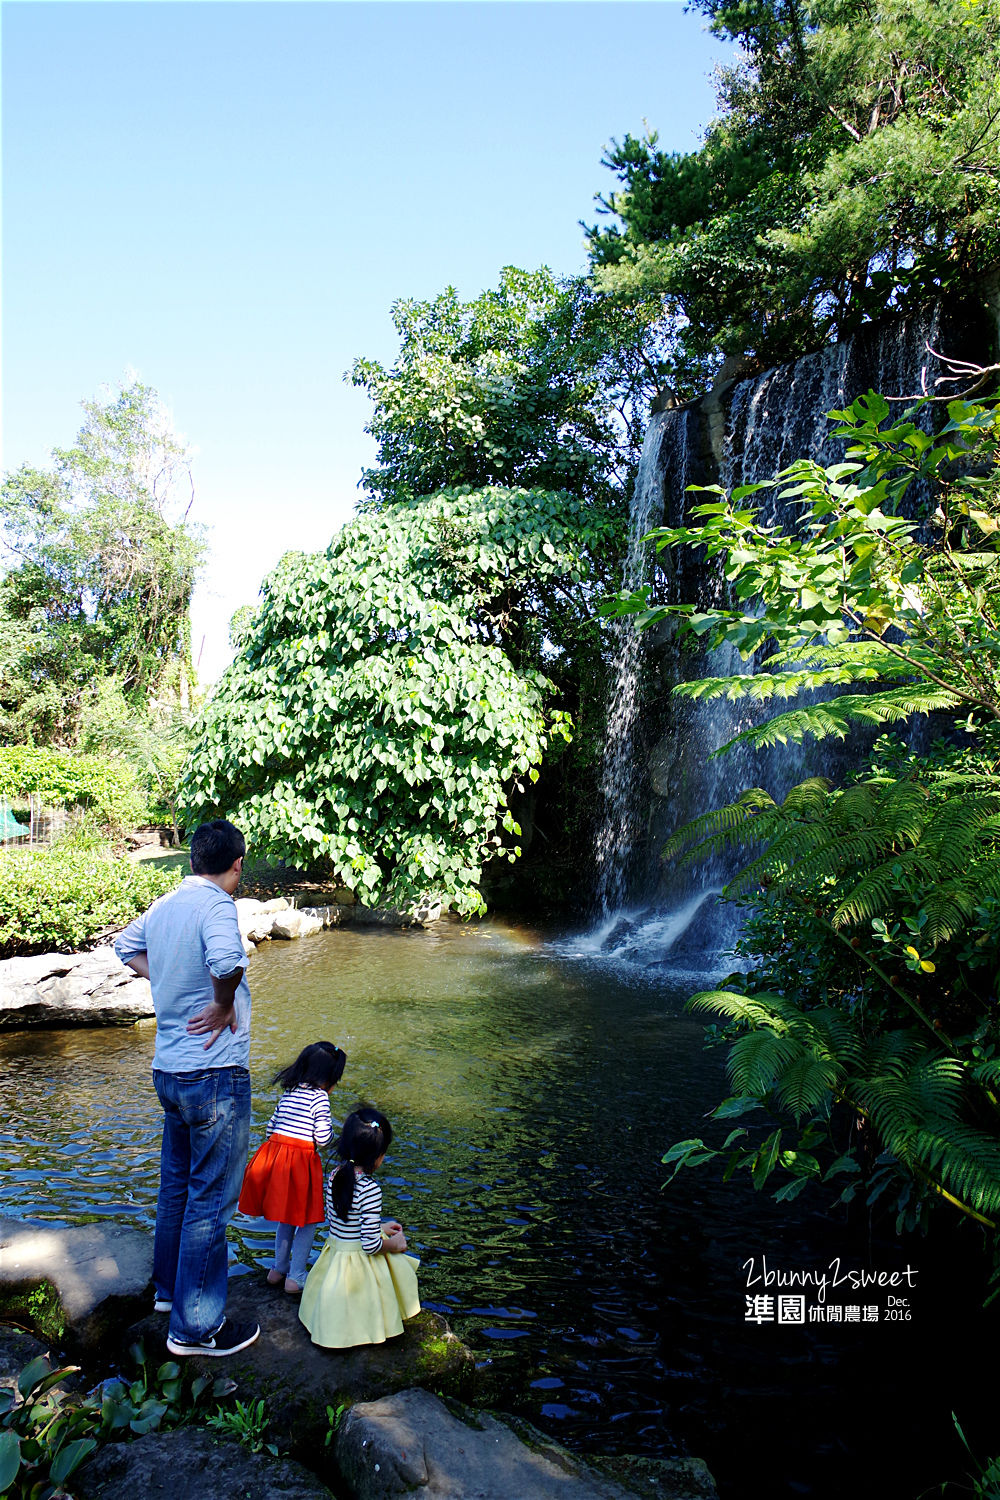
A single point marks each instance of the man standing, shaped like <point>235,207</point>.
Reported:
<point>188,946</point>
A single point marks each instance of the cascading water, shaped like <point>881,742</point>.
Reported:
<point>620,831</point>
<point>656,782</point>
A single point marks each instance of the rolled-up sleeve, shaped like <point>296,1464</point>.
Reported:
<point>369,1204</point>
<point>220,933</point>
<point>323,1123</point>
<point>132,940</point>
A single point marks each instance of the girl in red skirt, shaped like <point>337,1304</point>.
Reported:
<point>284,1180</point>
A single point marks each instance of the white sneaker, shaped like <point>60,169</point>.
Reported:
<point>162,1304</point>
<point>229,1339</point>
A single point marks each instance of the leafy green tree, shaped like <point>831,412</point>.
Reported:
<point>387,699</point>
<point>101,561</point>
<point>854,166</point>
<point>867,1030</point>
<point>543,384</point>
<point>537,383</point>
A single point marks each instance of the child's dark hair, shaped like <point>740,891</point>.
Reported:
<point>366,1135</point>
<point>318,1066</point>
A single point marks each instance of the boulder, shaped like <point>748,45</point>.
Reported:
<point>390,916</point>
<point>299,1381</point>
<point>17,1349</point>
<point>426,913</point>
<point>411,1444</point>
<point>330,916</point>
<point>71,989</point>
<point>277,903</point>
<point>74,1286</point>
<point>189,1464</point>
<point>262,926</point>
<point>255,922</point>
<point>295,924</point>
<point>660,1478</point>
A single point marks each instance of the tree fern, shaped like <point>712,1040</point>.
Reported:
<point>912,1094</point>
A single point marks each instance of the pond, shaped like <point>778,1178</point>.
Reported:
<point>533,1088</point>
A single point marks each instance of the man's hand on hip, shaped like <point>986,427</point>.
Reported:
<point>220,1013</point>
<point>215,1019</point>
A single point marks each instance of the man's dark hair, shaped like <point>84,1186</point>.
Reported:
<point>215,847</point>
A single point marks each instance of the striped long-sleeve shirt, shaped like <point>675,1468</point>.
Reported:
<point>364,1222</point>
<point>304,1113</point>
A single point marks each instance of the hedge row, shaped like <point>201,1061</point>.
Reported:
<point>64,898</point>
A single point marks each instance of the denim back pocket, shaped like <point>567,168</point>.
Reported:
<point>198,1096</point>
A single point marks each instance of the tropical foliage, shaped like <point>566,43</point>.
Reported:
<point>854,166</point>
<point>856,593</point>
<point>388,700</point>
<point>96,679</point>
<point>866,1028</point>
<point>58,778</point>
<point>47,1430</point>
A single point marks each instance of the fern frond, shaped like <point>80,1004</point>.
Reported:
<point>758,1059</point>
<point>810,798</point>
<point>764,686</point>
<point>727,823</point>
<point>821,657</point>
<point>836,1034</point>
<point>835,718</point>
<point>751,1010</point>
<point>806,1084</point>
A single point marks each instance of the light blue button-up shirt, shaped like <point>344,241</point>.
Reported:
<point>189,935</point>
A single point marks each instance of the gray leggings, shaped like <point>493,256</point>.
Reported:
<point>292,1244</point>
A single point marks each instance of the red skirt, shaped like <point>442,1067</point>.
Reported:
<point>284,1182</point>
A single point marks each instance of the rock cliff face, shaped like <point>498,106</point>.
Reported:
<point>741,432</point>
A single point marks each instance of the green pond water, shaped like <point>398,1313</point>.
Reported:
<point>532,1088</point>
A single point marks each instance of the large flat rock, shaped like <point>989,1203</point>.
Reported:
<point>411,1444</point>
<point>74,1287</point>
<point>71,989</point>
<point>189,1464</point>
<point>298,1380</point>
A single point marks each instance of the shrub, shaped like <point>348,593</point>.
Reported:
<point>106,788</point>
<point>66,898</point>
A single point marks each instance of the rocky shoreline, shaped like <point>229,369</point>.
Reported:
<point>52,990</point>
<point>372,1423</point>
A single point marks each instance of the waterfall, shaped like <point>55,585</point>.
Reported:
<point>618,830</point>
<point>659,769</point>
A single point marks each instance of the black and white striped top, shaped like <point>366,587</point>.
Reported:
<point>304,1113</point>
<point>364,1222</point>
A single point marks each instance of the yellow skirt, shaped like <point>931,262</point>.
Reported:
<point>351,1297</point>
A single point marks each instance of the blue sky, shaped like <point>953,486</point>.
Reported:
<point>227,198</point>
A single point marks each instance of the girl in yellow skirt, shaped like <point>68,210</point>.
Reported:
<point>284,1181</point>
<point>362,1286</point>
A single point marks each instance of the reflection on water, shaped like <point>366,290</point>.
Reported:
<point>532,1090</point>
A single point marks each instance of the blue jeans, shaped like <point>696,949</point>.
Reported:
<point>206,1136</point>
<point>291,1249</point>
